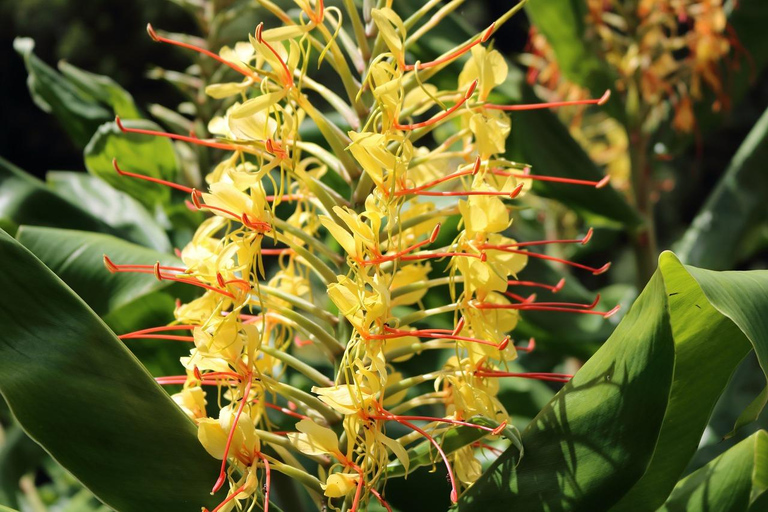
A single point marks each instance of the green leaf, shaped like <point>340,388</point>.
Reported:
<point>622,431</point>
<point>80,393</point>
<point>735,207</point>
<point>734,481</point>
<point>26,200</point>
<point>127,216</point>
<point>103,88</point>
<point>79,113</point>
<point>76,257</point>
<point>142,154</point>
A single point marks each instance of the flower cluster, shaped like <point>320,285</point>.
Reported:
<point>281,245</point>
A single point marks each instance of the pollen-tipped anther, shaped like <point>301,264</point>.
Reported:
<point>603,182</point>
<point>605,97</point>
<point>110,266</point>
<point>587,237</point>
<point>435,233</point>
<point>152,33</point>
<point>602,269</point>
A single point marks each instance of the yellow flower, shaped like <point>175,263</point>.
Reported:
<point>487,67</point>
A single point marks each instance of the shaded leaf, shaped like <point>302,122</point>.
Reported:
<point>78,112</point>
<point>76,257</point>
<point>103,88</point>
<point>18,456</point>
<point>142,154</point>
<point>733,482</point>
<point>623,430</point>
<point>736,206</point>
<point>117,209</point>
<point>72,384</point>
<point>26,200</point>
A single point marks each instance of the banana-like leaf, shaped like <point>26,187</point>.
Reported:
<point>26,200</point>
<point>79,392</point>
<point>103,88</point>
<point>141,154</point>
<point>77,258</point>
<point>78,112</point>
<point>119,210</point>
<point>736,481</point>
<point>622,431</point>
<point>733,209</point>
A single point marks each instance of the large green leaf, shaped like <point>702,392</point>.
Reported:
<point>623,430</point>
<point>119,210</point>
<point>80,393</point>
<point>141,154</point>
<point>77,258</point>
<point>735,207</point>
<point>78,112</point>
<point>26,200</point>
<point>735,481</point>
<point>103,88</point>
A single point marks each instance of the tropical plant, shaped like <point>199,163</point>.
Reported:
<point>356,240</point>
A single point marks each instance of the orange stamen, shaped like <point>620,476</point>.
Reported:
<point>223,471</point>
<point>288,78</point>
<point>191,140</point>
<point>453,55</point>
<point>121,172</point>
<point>245,72</point>
<point>506,248</point>
<point>538,106</point>
<point>553,289</point>
<point>441,116</point>
<point>551,377</point>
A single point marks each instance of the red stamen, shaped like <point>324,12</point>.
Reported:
<point>121,172</point>
<point>434,334</point>
<point>441,116</point>
<point>288,78</point>
<point>582,241</point>
<point>397,255</point>
<point>283,410</point>
<point>494,450</point>
<point>268,480</point>
<point>156,271</point>
<point>191,140</point>
<point>453,55</point>
<point>223,471</point>
<point>528,348</point>
<point>553,289</point>
<point>438,255</point>
<point>276,252</point>
<point>551,377</point>
<point>537,106</point>
<point>227,499</point>
<point>157,337</point>
<point>506,248</point>
<point>182,379</point>
<point>538,307</point>
<point>454,493</point>
<point>358,491</point>
<point>245,72</point>
<point>381,500</point>
<point>390,417</point>
<point>570,181</point>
